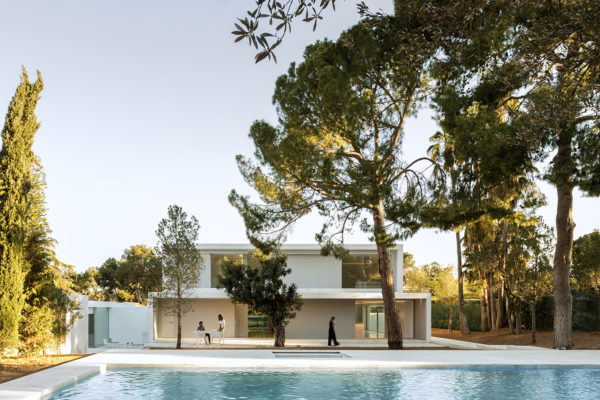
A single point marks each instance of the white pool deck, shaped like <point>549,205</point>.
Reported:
<point>41,383</point>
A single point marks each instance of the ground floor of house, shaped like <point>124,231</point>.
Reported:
<point>359,314</point>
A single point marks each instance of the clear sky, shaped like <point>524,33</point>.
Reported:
<point>147,102</point>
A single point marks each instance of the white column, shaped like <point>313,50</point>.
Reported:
<point>398,268</point>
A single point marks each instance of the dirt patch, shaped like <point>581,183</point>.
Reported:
<point>583,340</point>
<point>16,367</point>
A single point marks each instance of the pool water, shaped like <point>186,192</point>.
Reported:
<point>411,383</point>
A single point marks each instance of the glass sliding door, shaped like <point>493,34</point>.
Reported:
<point>375,322</point>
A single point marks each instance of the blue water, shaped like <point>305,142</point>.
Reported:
<point>423,383</point>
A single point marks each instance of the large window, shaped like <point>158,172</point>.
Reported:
<point>216,262</point>
<point>360,272</point>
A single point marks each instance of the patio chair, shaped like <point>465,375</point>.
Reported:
<point>217,336</point>
<point>200,336</point>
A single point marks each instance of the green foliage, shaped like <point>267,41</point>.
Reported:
<point>85,283</point>
<point>140,272</point>
<point>131,278</point>
<point>16,163</point>
<point>338,146</point>
<point>45,284</point>
<point>282,13</point>
<point>441,311</point>
<point>586,315</point>
<point>445,286</point>
<point>586,262</point>
<point>107,278</point>
<point>36,329</point>
<point>179,257</point>
<point>263,290</point>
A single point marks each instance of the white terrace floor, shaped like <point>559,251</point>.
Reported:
<point>36,385</point>
<point>240,343</point>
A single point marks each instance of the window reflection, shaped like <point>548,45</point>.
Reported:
<point>360,272</point>
<point>216,264</point>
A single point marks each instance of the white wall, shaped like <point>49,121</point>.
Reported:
<point>129,324</point>
<point>423,318</point>
<point>406,309</point>
<point>313,320</point>
<point>77,338</point>
<point>314,271</point>
<point>205,310</point>
<point>398,268</point>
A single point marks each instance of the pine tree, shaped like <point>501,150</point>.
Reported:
<point>16,160</point>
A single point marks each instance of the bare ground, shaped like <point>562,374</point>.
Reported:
<point>583,340</point>
<point>16,367</point>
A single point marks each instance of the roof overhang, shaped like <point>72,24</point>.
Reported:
<point>233,248</point>
<point>341,294</point>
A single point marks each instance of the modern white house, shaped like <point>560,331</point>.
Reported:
<point>348,289</point>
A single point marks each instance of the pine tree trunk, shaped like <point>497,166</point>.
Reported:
<point>563,302</point>
<point>492,303</point>
<point>533,340</point>
<point>598,298</point>
<point>502,269</point>
<point>489,307</point>
<point>518,315</point>
<point>462,317</point>
<point>499,313</point>
<point>178,346</point>
<point>484,311</point>
<point>511,327</point>
<point>179,307</point>
<point>392,317</point>
<point>450,319</point>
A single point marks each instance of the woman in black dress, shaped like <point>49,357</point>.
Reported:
<point>332,333</point>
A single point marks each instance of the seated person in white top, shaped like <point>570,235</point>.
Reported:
<point>206,334</point>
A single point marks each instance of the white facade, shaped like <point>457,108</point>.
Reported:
<point>358,309</point>
<point>76,340</point>
<point>121,322</point>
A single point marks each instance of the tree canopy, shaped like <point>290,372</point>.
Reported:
<point>263,289</point>
<point>180,259</point>
<point>16,167</point>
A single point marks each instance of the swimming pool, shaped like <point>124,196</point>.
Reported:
<point>410,383</point>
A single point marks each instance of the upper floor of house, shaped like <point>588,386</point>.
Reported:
<point>309,269</point>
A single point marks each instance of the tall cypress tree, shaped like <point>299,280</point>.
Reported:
<point>16,160</point>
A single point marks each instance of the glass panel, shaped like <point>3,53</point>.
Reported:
<point>216,262</point>
<point>360,272</point>
<point>375,323</point>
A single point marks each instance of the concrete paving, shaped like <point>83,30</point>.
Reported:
<point>253,343</point>
<point>41,383</point>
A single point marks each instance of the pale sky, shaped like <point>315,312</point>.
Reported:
<point>147,102</point>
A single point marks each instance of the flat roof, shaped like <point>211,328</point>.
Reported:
<point>333,293</point>
<point>288,248</point>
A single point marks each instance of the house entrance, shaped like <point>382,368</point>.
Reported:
<point>370,320</point>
